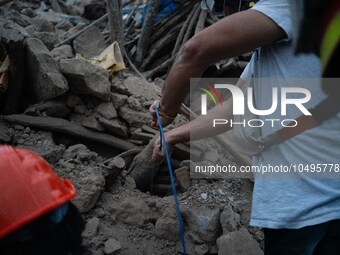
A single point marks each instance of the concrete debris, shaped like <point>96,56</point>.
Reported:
<point>140,88</point>
<point>85,78</point>
<point>64,51</point>
<point>201,249</point>
<point>114,127</point>
<point>238,242</point>
<point>42,25</point>
<point>53,108</point>
<point>118,100</point>
<point>112,246</point>
<point>91,227</point>
<point>78,102</point>
<point>206,223</point>
<point>46,80</point>
<point>131,211</point>
<point>166,227</point>
<point>90,44</point>
<point>107,110</point>
<point>230,220</point>
<point>73,100</point>
<point>133,117</point>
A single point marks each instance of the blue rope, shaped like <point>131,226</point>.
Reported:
<point>178,211</point>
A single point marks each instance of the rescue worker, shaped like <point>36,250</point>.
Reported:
<point>36,215</point>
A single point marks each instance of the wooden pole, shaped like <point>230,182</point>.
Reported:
<point>114,12</point>
<point>144,40</point>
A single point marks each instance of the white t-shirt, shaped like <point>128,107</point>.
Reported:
<point>280,202</point>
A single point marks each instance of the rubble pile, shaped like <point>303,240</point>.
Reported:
<point>91,124</point>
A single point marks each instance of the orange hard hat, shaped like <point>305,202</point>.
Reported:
<point>29,188</point>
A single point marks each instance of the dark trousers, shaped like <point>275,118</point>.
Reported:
<point>321,239</point>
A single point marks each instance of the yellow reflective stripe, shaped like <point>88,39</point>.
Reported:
<point>330,40</point>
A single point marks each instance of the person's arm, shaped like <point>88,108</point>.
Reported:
<point>230,37</point>
<point>199,128</point>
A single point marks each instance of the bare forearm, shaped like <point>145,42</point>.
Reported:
<point>202,127</point>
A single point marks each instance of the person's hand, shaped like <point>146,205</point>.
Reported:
<point>158,155</point>
<point>166,119</point>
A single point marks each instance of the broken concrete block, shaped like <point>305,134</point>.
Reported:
<point>64,26</point>
<point>86,121</point>
<point>107,110</point>
<point>133,117</point>
<point>205,222</point>
<point>238,242</point>
<point>18,18</point>
<point>90,44</point>
<point>85,78</point>
<point>49,39</point>
<point>73,100</point>
<point>64,51</point>
<point>118,100</point>
<point>132,211</point>
<point>44,73</point>
<point>81,109</point>
<point>89,184</point>
<point>53,108</point>
<point>114,127</point>
<point>230,220</point>
<point>42,25</point>
<point>91,227</point>
<point>72,31</point>
<point>140,88</point>
<point>112,246</point>
<point>167,228</point>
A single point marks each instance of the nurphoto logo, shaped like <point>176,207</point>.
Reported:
<point>240,101</point>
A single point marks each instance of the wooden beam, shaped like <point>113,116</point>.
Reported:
<point>67,127</point>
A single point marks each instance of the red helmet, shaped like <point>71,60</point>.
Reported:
<point>28,188</point>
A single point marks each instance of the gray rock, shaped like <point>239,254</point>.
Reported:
<point>53,108</point>
<point>44,73</point>
<point>230,220</point>
<point>73,151</point>
<point>205,222</point>
<point>112,246</point>
<point>48,38</point>
<point>13,34</point>
<point>107,110</point>
<point>64,51</point>
<point>131,210</point>
<point>42,25</point>
<point>72,31</point>
<point>114,127</point>
<point>81,109</point>
<point>118,100</point>
<point>89,183</point>
<point>64,25</point>
<point>133,117</point>
<point>73,100</point>
<point>85,78</point>
<point>238,243</point>
<point>140,89</point>
<point>167,228</point>
<point>91,227</point>
<point>86,121</point>
<point>18,18</point>
<point>51,152</point>
<point>90,44</point>
<point>201,249</point>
